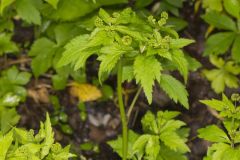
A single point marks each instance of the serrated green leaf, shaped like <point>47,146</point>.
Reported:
<point>117,144</point>
<point>178,24</point>
<point>149,123</point>
<point>180,43</point>
<point>105,16</point>
<point>39,45</point>
<point>215,104</point>
<point>38,67</point>
<point>181,63</point>
<point>5,142</point>
<point>152,147</point>
<point>213,133</point>
<point>161,52</point>
<point>6,45</point>
<point>160,132</point>
<point>216,151</point>
<point>147,70</point>
<point>230,153</point>
<point>232,67</point>
<point>139,145</point>
<point>219,20</point>
<point>49,137</point>
<point>8,118</point>
<point>54,3</point>
<point>43,50</point>
<point>173,141</point>
<point>219,43</point>
<point>128,31</point>
<point>174,89</point>
<point>28,11</point>
<point>109,59</point>
<point>80,48</point>
<point>73,49</point>
<point>22,135</point>
<point>193,64</point>
<point>23,144</point>
<point>232,7</point>
<point>127,74</point>
<point>217,61</point>
<point>167,115</point>
<point>167,154</point>
<point>172,125</point>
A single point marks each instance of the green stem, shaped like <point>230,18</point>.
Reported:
<point>232,128</point>
<point>133,102</point>
<point>122,112</point>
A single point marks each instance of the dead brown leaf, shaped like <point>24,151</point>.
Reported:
<point>40,95</point>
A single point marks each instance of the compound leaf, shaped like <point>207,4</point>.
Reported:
<point>219,43</point>
<point>220,21</point>
<point>28,11</point>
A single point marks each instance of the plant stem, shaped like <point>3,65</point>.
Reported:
<point>133,102</point>
<point>232,128</point>
<point>122,112</point>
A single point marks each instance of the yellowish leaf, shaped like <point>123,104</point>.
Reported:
<point>84,92</point>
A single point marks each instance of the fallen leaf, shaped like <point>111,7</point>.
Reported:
<point>40,95</point>
<point>85,92</point>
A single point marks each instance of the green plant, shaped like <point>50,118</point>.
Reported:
<point>6,45</point>
<point>163,138</point>
<point>225,141</point>
<point>54,25</point>
<point>224,15</point>
<point>221,14</point>
<point>12,81</point>
<point>12,91</point>
<point>138,50</point>
<point>224,75</point>
<point>49,51</point>
<point>8,113</point>
<point>21,144</point>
